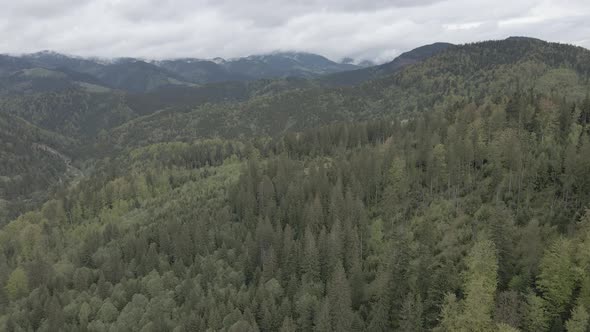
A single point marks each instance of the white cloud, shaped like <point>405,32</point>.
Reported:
<point>462,26</point>
<point>369,29</point>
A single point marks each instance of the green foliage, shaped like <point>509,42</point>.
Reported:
<point>450,314</point>
<point>474,312</point>
<point>17,284</point>
<point>461,209</point>
<point>536,317</point>
<point>339,300</point>
<point>578,321</point>
<point>506,328</point>
<point>558,275</point>
<point>480,286</point>
<point>411,316</point>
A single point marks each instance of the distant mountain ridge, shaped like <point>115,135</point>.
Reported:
<point>55,71</point>
<point>141,75</point>
<point>260,66</point>
<point>358,76</point>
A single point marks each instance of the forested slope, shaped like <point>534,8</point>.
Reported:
<point>493,70</point>
<point>27,172</point>
<point>460,207</point>
<point>355,77</point>
<point>84,121</point>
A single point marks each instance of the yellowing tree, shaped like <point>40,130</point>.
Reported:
<point>579,320</point>
<point>558,275</point>
<point>474,312</point>
<point>481,280</point>
<point>17,284</point>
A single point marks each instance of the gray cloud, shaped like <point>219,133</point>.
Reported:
<point>368,29</point>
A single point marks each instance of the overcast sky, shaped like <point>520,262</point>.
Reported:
<point>361,29</point>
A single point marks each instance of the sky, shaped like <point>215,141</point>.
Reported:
<point>375,30</point>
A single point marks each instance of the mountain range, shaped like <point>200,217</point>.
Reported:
<point>447,190</point>
<point>51,71</point>
<point>67,97</point>
<point>46,71</point>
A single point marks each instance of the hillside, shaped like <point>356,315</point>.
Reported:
<point>273,107</point>
<point>450,195</point>
<point>28,173</point>
<point>84,119</point>
<point>358,76</point>
<point>493,70</point>
<point>24,75</point>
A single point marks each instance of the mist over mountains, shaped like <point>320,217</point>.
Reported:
<point>54,70</point>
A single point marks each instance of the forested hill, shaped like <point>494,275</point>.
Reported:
<point>354,77</point>
<point>452,195</point>
<point>494,70</point>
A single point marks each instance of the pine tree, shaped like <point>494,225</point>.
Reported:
<point>340,300</point>
<point>480,286</point>
<point>578,321</point>
<point>310,263</point>
<point>474,312</point>
<point>411,314</point>
<point>536,317</point>
<point>506,328</point>
<point>323,321</point>
<point>288,325</point>
<point>450,314</point>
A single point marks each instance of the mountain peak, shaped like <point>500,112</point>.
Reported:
<point>370,71</point>
<point>50,54</point>
<point>524,38</point>
<point>218,60</point>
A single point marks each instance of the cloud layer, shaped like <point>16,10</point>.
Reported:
<point>367,29</point>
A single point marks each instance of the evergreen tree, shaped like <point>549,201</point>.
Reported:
<point>323,319</point>
<point>411,315</point>
<point>536,317</point>
<point>340,300</point>
<point>578,321</point>
<point>310,263</point>
<point>558,277</point>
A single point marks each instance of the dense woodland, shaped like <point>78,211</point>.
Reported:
<point>463,208</point>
